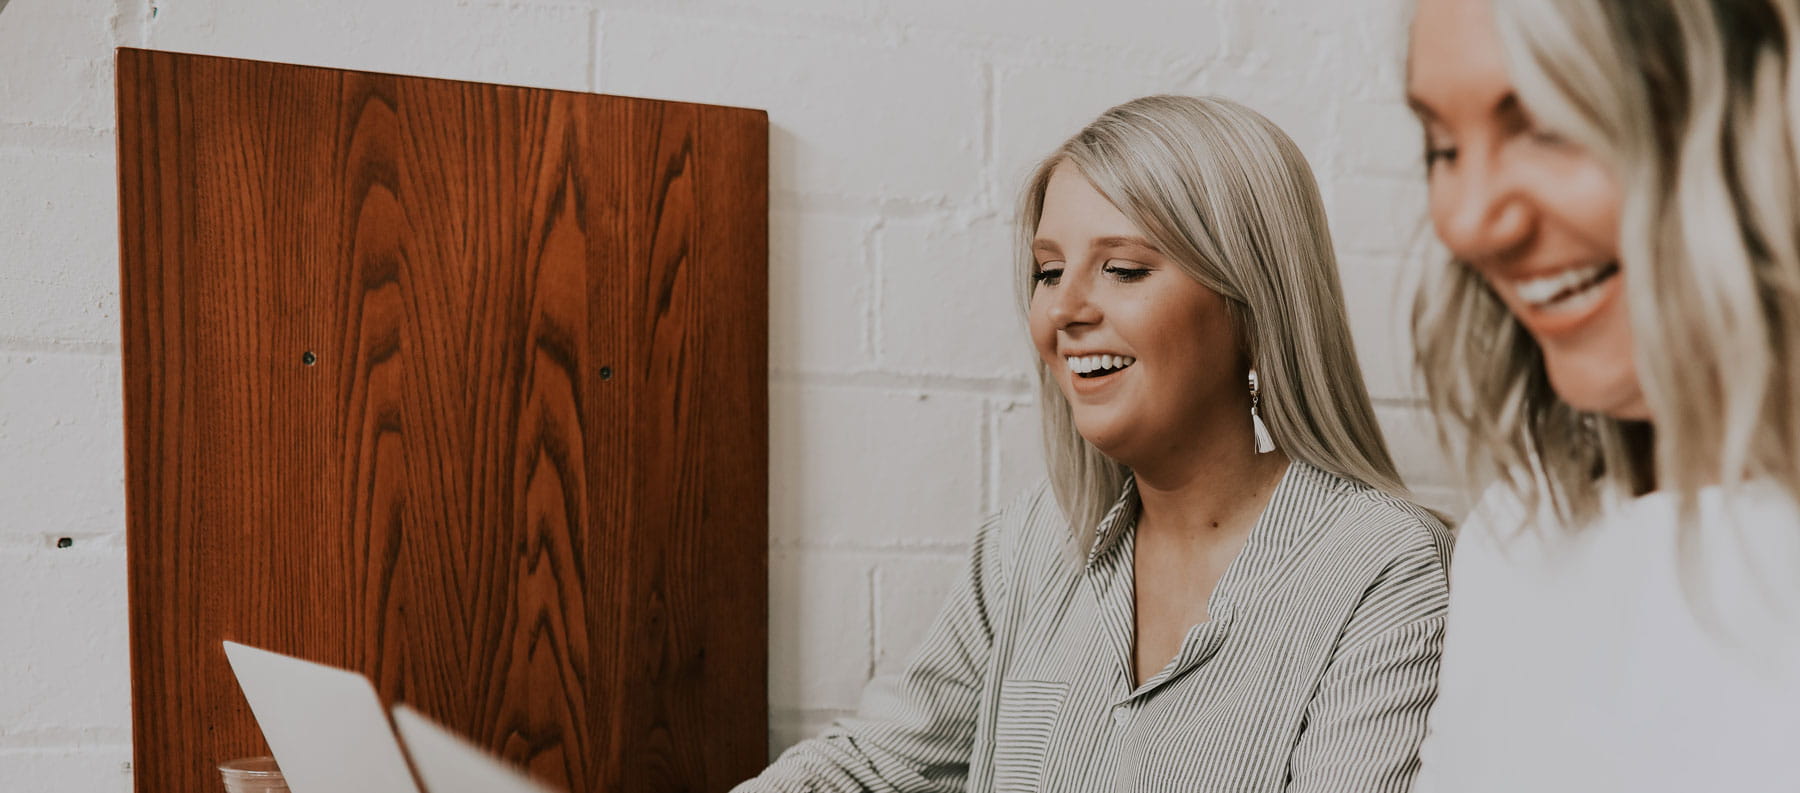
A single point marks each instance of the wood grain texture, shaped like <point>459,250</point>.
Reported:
<point>458,385</point>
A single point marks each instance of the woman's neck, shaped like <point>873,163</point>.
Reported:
<point>1215,486</point>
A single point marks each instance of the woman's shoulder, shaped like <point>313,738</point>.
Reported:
<point>1383,560</point>
<point>1357,514</point>
<point>1028,524</point>
<point>1032,509</point>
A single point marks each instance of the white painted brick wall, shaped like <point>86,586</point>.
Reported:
<point>902,409</point>
<point>947,304</point>
<point>60,238</point>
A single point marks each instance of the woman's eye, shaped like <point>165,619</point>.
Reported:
<point>1125,272</point>
<point>1439,146</point>
<point>1048,275</point>
<point>1544,137</point>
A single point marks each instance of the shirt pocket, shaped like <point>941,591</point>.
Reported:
<point>1022,730</point>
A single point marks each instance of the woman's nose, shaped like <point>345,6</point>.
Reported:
<point>1072,303</point>
<point>1480,212</point>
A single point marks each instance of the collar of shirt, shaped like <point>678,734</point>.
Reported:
<point>1288,518</point>
<point>1118,520</point>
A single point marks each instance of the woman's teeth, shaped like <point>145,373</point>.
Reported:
<point>1095,365</point>
<point>1567,290</point>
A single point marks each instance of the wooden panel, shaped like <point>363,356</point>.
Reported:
<point>462,386</point>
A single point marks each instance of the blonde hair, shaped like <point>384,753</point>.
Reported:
<point>1228,196</point>
<point>1689,102</point>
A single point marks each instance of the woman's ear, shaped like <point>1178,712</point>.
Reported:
<point>1245,328</point>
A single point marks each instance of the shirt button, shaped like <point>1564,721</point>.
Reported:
<point>1120,714</point>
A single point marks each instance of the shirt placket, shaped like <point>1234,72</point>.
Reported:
<point>1110,578</point>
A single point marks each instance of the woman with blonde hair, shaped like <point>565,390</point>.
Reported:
<point>1223,585</point>
<point>1617,340</point>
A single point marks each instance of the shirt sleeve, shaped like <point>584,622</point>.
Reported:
<point>1364,724</point>
<point>914,732</point>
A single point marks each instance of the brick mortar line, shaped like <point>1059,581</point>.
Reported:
<point>917,549</point>
<point>883,207</point>
<point>54,139</point>
<point>596,31</point>
<point>873,579</point>
<point>807,711</point>
<point>884,31</point>
<point>920,383</point>
<point>66,738</point>
<point>31,346</point>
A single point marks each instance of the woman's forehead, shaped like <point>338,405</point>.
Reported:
<point>1454,56</point>
<point>1075,213</point>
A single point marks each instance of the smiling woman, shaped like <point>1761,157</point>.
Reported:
<point>1182,606</point>
<point>1618,335</point>
<point>1215,211</point>
<point>1101,298</point>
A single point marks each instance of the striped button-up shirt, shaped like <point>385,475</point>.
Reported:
<point>1314,672</point>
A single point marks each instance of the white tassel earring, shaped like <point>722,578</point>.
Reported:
<point>1264,443</point>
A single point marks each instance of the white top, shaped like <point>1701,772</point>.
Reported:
<point>1625,655</point>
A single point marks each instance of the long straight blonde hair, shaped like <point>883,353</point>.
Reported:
<point>1226,195</point>
<point>1693,104</point>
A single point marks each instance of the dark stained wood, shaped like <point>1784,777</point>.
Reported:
<point>368,327</point>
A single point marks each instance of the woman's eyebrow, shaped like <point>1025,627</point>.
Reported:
<point>1125,242</point>
<point>1510,110</point>
<point>1041,245</point>
<point>1419,108</point>
<point>1507,108</point>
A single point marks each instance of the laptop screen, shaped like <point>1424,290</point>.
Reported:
<point>449,764</point>
<point>325,726</point>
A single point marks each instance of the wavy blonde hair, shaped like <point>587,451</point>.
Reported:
<point>1226,195</point>
<point>1692,103</point>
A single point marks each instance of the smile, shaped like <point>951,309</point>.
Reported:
<point>1091,366</point>
<point>1566,291</point>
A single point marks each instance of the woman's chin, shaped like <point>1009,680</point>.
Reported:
<point>1109,437</point>
<point>1608,390</point>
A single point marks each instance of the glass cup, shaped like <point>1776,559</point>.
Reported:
<point>253,775</point>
